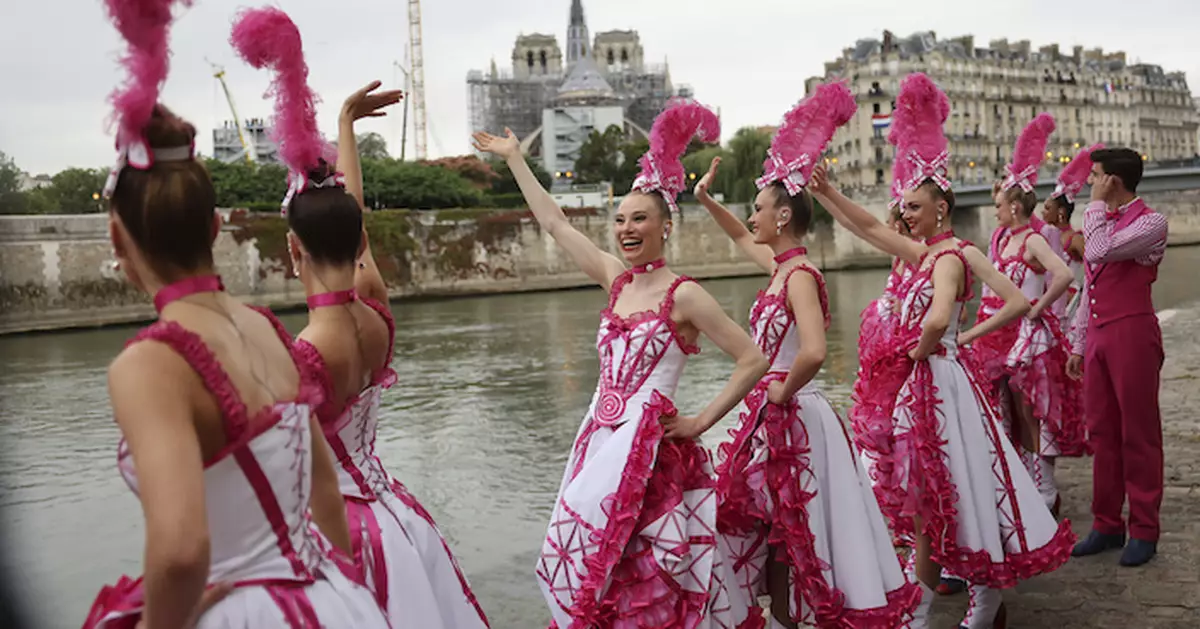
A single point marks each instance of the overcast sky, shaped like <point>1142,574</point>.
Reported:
<point>750,58</point>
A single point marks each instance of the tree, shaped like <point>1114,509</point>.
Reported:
<point>77,190</point>
<point>747,151</point>
<point>631,152</point>
<point>10,175</point>
<point>372,146</point>
<point>390,183</point>
<point>507,184</point>
<point>600,156</point>
<point>479,173</point>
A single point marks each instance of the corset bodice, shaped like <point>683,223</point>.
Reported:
<point>257,488</point>
<point>918,297</point>
<point>773,324</point>
<point>1030,280</point>
<point>639,354</point>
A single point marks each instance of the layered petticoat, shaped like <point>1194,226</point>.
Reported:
<point>984,517</point>
<point>1032,354</point>
<point>789,480</point>
<point>632,541</point>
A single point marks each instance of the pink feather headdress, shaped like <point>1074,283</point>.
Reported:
<point>267,38</point>
<point>805,133</point>
<point>144,24</point>
<point>1028,155</point>
<point>917,133</point>
<point>1072,178</point>
<point>673,129</point>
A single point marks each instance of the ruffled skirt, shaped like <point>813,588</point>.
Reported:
<point>407,564</point>
<point>632,539</point>
<point>332,601</point>
<point>790,481</point>
<point>961,475</point>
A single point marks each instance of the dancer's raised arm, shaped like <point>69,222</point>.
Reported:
<point>699,309</point>
<point>362,104</point>
<point>731,224</point>
<point>859,221</point>
<point>1015,303</point>
<point>598,264</point>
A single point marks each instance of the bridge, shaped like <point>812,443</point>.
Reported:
<point>1157,180</point>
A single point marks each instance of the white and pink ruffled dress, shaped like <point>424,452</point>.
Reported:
<point>1032,355</point>
<point>959,471</point>
<point>262,539</point>
<point>403,557</point>
<point>790,480</point>
<point>632,540</point>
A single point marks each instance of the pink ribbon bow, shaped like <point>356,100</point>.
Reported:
<point>789,173</point>
<point>651,180</point>
<point>299,182</point>
<point>934,169</point>
<point>1068,191</point>
<point>1024,179</point>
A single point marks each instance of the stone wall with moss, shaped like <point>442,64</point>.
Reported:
<point>55,271</point>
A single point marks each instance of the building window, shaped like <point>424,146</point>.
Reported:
<point>878,155</point>
<point>875,108</point>
<point>879,176</point>
<point>542,56</point>
<point>624,55</point>
<point>529,59</point>
<point>611,59</point>
<point>878,133</point>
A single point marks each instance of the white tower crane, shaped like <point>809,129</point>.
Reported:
<point>417,95</point>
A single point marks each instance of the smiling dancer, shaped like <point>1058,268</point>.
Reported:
<point>1025,361</point>
<point>795,503</point>
<point>630,542</point>
<point>1057,211</point>
<point>973,507</point>
<point>347,344</point>
<point>218,440</point>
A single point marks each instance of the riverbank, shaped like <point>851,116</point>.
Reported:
<point>1095,591</point>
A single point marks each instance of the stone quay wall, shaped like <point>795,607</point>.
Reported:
<point>55,271</point>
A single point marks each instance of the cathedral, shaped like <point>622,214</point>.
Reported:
<point>553,103</point>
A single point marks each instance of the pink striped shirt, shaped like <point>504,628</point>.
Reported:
<point>1144,241</point>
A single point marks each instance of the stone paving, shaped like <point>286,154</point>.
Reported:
<point>1095,591</point>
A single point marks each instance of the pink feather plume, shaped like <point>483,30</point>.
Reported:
<point>1076,172</point>
<point>1030,150</point>
<point>267,38</point>
<point>670,135</point>
<point>810,125</point>
<point>918,124</point>
<point>144,24</point>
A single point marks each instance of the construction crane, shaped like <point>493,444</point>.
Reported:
<point>417,95</point>
<point>243,134</point>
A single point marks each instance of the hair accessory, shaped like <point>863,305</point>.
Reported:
<point>673,129</point>
<point>144,24</point>
<point>267,38</point>
<point>805,133</point>
<point>1028,154</point>
<point>917,133</point>
<point>1072,178</point>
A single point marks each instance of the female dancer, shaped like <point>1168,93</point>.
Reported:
<point>631,538</point>
<point>974,509</point>
<point>793,501</point>
<point>347,344</point>
<point>219,443</point>
<point>1025,361</point>
<point>1057,211</point>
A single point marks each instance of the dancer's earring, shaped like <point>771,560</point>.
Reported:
<point>939,221</point>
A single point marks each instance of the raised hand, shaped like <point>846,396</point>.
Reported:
<point>365,104</point>
<point>702,186</point>
<point>1101,186</point>
<point>818,183</point>
<point>504,147</point>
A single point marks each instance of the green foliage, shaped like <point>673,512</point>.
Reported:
<point>479,173</point>
<point>747,151</point>
<point>507,184</point>
<point>241,184</point>
<point>600,156</point>
<point>10,175</point>
<point>77,191</point>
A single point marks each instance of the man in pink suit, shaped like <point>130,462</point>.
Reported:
<point>1117,349</point>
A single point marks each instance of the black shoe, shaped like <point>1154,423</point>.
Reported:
<point>1138,552</point>
<point>1097,542</point>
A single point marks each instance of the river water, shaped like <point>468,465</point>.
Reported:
<point>491,393</point>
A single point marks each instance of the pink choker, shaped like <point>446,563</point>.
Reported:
<point>933,240</point>
<point>335,298</point>
<point>186,288</point>
<point>649,266</point>
<point>789,254</point>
